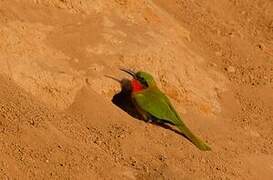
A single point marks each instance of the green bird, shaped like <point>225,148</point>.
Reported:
<point>153,104</point>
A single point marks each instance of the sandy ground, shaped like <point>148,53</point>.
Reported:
<point>214,59</point>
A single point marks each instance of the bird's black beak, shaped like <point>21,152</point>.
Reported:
<point>132,73</point>
<point>111,77</point>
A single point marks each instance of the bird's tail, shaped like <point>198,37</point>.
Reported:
<point>195,140</point>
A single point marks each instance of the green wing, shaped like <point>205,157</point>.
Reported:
<point>158,105</point>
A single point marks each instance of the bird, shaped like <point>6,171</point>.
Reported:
<point>123,98</point>
<point>153,105</point>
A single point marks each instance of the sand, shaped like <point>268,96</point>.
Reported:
<point>214,59</point>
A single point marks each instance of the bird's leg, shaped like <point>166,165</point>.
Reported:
<point>143,115</point>
<point>145,118</point>
<point>159,121</point>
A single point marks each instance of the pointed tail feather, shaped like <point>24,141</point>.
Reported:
<point>195,140</point>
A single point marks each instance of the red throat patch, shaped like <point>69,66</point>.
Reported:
<point>136,85</point>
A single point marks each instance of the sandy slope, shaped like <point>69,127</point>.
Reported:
<point>214,59</point>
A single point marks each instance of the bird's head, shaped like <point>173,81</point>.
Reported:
<point>144,78</point>
<point>124,83</point>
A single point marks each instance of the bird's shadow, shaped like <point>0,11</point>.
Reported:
<point>123,101</point>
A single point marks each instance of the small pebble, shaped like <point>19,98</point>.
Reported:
<point>213,64</point>
<point>260,46</point>
<point>98,142</point>
<point>122,136</point>
<point>162,157</point>
<point>230,69</point>
<point>254,133</point>
<point>218,53</point>
<point>76,60</point>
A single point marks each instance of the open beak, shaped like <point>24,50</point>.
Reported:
<point>111,77</point>
<point>132,73</point>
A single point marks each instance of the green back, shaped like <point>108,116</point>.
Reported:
<point>153,101</point>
